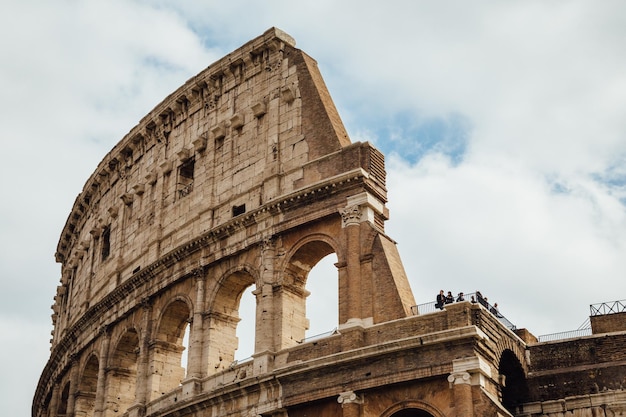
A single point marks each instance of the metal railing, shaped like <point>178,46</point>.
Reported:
<point>431,307</point>
<point>565,335</point>
<point>611,307</point>
<point>320,336</point>
<point>184,189</point>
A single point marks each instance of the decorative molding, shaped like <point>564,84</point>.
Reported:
<point>351,216</point>
<point>349,397</point>
<point>218,132</point>
<point>127,198</point>
<point>456,378</point>
<point>151,178</point>
<point>288,94</point>
<point>199,144</point>
<point>113,210</point>
<point>259,109</point>
<point>139,188</point>
<point>236,122</point>
<point>166,167</point>
<point>184,154</point>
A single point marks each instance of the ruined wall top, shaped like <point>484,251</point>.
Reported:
<point>232,142</point>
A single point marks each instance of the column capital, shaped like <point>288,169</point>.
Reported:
<point>199,273</point>
<point>456,378</point>
<point>351,216</point>
<point>362,207</point>
<point>349,397</point>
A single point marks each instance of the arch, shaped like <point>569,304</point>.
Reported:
<point>515,347</point>
<point>300,260</point>
<point>231,285</point>
<point>513,383</point>
<point>412,408</point>
<point>167,347</point>
<point>322,303</point>
<point>224,316</point>
<point>317,246</point>
<point>86,395</point>
<point>173,319</point>
<point>122,373</point>
<point>65,395</point>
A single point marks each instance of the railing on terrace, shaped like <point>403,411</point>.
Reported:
<point>610,307</point>
<point>565,335</point>
<point>600,309</point>
<point>320,336</point>
<point>431,308</point>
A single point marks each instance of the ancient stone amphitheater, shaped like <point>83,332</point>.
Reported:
<point>244,179</point>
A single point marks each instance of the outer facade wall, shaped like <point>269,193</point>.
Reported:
<point>243,180</point>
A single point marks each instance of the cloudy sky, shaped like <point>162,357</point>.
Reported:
<point>503,125</point>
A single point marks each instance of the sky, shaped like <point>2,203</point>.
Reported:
<point>503,125</point>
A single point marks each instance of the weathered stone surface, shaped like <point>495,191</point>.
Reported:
<point>245,177</point>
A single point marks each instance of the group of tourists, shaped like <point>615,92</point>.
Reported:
<point>442,299</point>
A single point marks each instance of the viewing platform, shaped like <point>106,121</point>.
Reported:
<point>431,307</point>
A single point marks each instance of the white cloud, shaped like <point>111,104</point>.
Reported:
<point>501,230</point>
<point>531,216</point>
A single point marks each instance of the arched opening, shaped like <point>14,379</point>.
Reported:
<point>322,303</point>
<point>122,373</point>
<point>296,290</point>
<point>513,381</point>
<point>184,358</point>
<point>224,319</point>
<point>86,395</point>
<point>65,394</point>
<point>167,347</point>
<point>246,325</point>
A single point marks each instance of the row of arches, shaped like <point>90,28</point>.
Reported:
<point>145,361</point>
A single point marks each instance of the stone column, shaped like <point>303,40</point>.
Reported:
<point>266,321</point>
<point>102,365</point>
<point>143,360</point>
<point>460,383</point>
<point>54,400</point>
<point>268,328</point>
<point>351,305</point>
<point>350,403</point>
<point>195,366</point>
<point>73,386</point>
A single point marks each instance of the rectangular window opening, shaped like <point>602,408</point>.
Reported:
<point>106,242</point>
<point>185,177</point>
<point>237,210</point>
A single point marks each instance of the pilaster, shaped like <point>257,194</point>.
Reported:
<point>462,392</point>
<point>71,400</point>
<point>350,403</point>
<point>102,365</point>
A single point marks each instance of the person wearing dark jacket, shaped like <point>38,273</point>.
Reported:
<point>441,300</point>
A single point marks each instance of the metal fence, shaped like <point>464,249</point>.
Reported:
<point>320,336</point>
<point>610,307</point>
<point>431,307</point>
<point>565,335</point>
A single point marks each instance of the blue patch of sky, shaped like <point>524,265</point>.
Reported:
<point>614,178</point>
<point>413,137</point>
<point>557,184</point>
<point>161,64</point>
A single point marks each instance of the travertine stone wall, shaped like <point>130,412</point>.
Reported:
<point>231,139</point>
<point>243,180</point>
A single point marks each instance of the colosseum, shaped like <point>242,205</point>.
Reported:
<point>243,179</point>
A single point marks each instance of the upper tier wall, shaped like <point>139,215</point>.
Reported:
<point>233,139</point>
